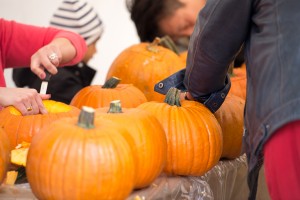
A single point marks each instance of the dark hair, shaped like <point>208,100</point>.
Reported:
<point>146,15</point>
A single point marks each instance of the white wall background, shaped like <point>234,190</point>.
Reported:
<point>119,32</point>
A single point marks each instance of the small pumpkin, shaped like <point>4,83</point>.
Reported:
<point>149,140</point>
<point>21,128</point>
<point>81,158</point>
<point>97,96</point>
<point>194,136</point>
<point>145,64</point>
<point>4,154</point>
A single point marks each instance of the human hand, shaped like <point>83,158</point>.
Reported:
<point>46,58</point>
<point>27,101</point>
<point>49,57</point>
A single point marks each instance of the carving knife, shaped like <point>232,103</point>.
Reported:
<point>44,85</point>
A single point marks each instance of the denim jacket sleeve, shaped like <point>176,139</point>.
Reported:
<point>214,43</point>
<point>212,101</point>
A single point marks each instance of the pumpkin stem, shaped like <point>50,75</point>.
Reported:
<point>115,107</point>
<point>165,42</point>
<point>168,43</point>
<point>112,82</point>
<point>86,117</point>
<point>153,45</point>
<point>172,97</point>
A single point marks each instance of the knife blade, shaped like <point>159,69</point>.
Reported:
<point>44,85</point>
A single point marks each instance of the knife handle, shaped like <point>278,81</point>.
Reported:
<point>48,76</point>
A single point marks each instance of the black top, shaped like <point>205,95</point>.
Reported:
<point>62,86</point>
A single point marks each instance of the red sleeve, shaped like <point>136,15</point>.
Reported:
<point>19,42</point>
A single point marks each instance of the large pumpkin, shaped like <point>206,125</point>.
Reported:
<point>21,128</point>
<point>194,136</point>
<point>231,119</point>
<point>145,64</point>
<point>4,154</point>
<point>149,140</point>
<point>97,96</point>
<point>81,159</point>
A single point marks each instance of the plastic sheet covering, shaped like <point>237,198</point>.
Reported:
<point>226,181</point>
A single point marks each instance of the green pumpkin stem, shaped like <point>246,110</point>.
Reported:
<point>168,43</point>
<point>165,42</point>
<point>173,97</point>
<point>115,107</point>
<point>86,118</point>
<point>112,82</point>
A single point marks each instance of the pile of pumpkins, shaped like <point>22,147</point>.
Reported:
<point>120,136</point>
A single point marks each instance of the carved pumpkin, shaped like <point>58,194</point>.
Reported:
<point>4,154</point>
<point>145,64</point>
<point>194,136</point>
<point>231,119</point>
<point>21,128</point>
<point>81,158</point>
<point>150,143</point>
<point>97,96</point>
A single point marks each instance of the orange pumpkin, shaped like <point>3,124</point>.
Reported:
<point>21,128</point>
<point>145,64</point>
<point>149,140</point>
<point>231,119</point>
<point>194,136</point>
<point>239,82</point>
<point>4,154</point>
<point>97,96</point>
<point>81,158</point>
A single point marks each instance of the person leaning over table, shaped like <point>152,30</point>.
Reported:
<point>270,32</point>
<point>175,18</point>
<point>41,48</point>
<point>78,16</point>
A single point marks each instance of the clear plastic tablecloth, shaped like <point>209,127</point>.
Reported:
<point>226,181</point>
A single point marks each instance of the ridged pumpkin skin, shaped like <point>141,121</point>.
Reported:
<point>231,119</point>
<point>144,67</point>
<point>149,142</point>
<point>21,128</point>
<point>194,136</point>
<point>96,97</point>
<point>4,154</point>
<point>66,161</point>
<point>239,82</point>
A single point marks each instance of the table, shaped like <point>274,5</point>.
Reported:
<point>225,181</point>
